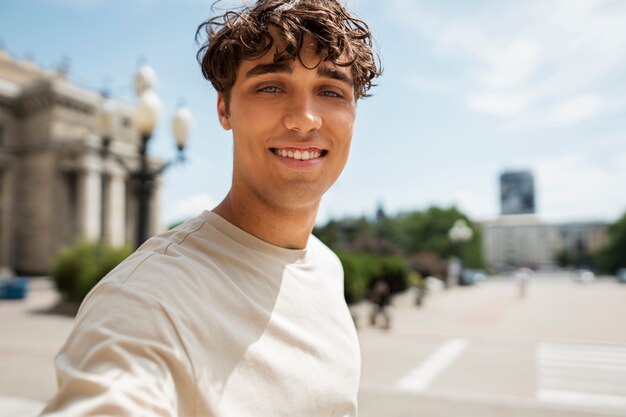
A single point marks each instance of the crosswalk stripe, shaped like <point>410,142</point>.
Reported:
<point>599,357</point>
<point>581,347</point>
<point>609,367</point>
<point>424,374</point>
<point>582,374</point>
<point>582,398</point>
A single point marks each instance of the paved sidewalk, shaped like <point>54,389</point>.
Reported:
<point>31,337</point>
<point>483,351</point>
<point>476,351</point>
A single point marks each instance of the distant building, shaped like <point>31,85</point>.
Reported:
<point>51,172</point>
<point>518,240</point>
<point>517,193</point>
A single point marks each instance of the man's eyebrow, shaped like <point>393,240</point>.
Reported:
<point>272,67</point>
<point>284,67</point>
<point>330,72</point>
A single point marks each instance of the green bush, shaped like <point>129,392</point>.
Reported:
<point>361,270</point>
<point>79,267</point>
<point>613,257</point>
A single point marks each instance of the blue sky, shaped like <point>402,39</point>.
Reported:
<point>469,89</point>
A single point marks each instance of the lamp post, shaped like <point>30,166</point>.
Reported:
<point>147,114</point>
<point>106,127</point>
<point>459,234</point>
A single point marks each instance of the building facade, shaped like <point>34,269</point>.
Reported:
<point>517,240</point>
<point>55,186</point>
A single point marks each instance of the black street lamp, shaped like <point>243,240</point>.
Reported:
<point>147,115</point>
<point>106,127</point>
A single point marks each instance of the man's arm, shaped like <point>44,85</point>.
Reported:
<point>123,358</point>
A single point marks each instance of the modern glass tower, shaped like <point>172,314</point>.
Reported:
<point>517,192</point>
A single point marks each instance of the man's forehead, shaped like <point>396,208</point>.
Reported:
<point>308,56</point>
<point>323,69</point>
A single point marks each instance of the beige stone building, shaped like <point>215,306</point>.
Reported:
<point>520,240</point>
<point>54,182</point>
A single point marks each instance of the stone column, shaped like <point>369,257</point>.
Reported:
<point>131,212</point>
<point>116,208</point>
<point>89,202</point>
<point>155,226</point>
<point>6,230</point>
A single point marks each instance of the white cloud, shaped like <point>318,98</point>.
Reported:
<point>578,109</point>
<point>574,183</point>
<point>498,103</point>
<point>511,65</point>
<point>478,205</point>
<point>539,63</point>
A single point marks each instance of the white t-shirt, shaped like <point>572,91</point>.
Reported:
<point>208,320</point>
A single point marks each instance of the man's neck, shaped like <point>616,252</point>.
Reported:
<point>286,228</point>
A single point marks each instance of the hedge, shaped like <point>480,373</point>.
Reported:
<point>79,267</point>
<point>361,270</point>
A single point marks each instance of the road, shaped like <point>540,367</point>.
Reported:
<point>469,351</point>
<point>484,351</point>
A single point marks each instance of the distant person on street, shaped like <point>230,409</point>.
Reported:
<point>380,296</point>
<point>522,278</point>
<point>421,289</point>
<point>240,311</point>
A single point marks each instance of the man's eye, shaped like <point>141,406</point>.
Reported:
<point>269,89</point>
<point>330,93</point>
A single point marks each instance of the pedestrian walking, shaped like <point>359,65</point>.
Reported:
<point>380,296</point>
<point>522,278</point>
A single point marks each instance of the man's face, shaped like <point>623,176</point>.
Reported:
<point>292,127</point>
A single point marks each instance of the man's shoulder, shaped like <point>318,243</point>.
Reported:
<point>323,254</point>
<point>169,259</point>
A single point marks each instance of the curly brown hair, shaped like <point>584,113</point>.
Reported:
<point>245,34</point>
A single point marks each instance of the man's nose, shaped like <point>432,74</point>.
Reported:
<point>302,114</point>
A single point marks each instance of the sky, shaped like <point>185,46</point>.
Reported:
<point>469,89</point>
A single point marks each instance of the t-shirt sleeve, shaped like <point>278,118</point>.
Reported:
<point>124,357</point>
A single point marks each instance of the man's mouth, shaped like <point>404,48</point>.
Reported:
<point>300,154</point>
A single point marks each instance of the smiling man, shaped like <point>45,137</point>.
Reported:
<point>292,124</point>
<point>240,311</point>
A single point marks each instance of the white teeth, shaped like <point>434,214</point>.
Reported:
<point>298,154</point>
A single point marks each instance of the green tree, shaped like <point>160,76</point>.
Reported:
<point>404,234</point>
<point>613,256</point>
<point>428,232</point>
<point>361,270</point>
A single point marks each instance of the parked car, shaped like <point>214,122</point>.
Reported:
<point>621,275</point>
<point>471,276</point>
<point>584,276</point>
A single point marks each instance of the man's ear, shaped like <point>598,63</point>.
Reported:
<point>222,111</point>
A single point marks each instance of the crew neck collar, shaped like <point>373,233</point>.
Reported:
<point>252,241</point>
